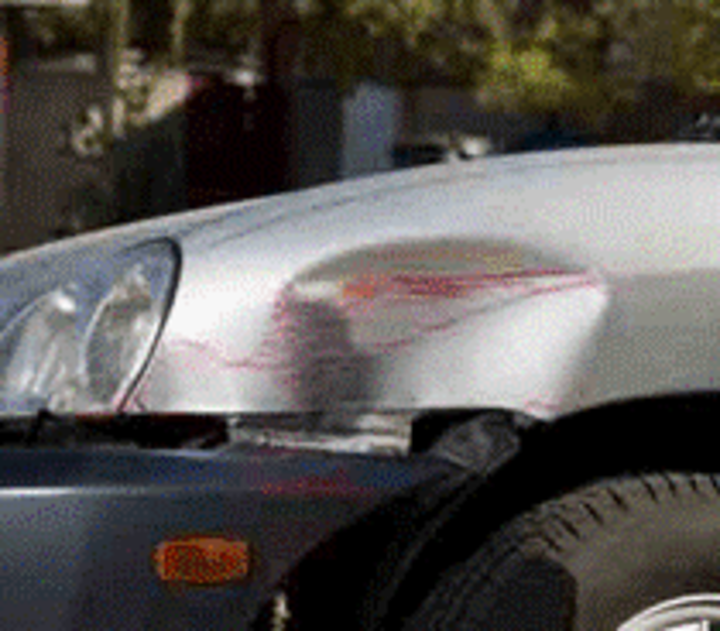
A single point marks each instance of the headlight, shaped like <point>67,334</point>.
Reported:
<point>82,345</point>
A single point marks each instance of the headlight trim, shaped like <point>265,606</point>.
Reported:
<point>65,315</point>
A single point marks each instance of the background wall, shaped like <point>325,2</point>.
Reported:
<point>372,121</point>
<point>38,179</point>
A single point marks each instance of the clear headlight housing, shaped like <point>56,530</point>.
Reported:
<point>81,345</point>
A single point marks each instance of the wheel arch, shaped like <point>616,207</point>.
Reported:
<point>439,526</point>
<point>673,432</point>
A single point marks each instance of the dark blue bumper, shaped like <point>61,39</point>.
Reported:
<point>79,528</point>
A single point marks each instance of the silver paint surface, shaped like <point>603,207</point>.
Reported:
<point>543,284</point>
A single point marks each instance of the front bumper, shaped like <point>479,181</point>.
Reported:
<point>80,527</point>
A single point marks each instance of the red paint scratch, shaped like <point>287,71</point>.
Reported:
<point>404,286</point>
<point>515,292</point>
<point>338,484</point>
<point>296,342</point>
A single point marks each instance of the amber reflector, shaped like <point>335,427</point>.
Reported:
<point>202,560</point>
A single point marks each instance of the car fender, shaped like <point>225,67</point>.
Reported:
<point>398,324</point>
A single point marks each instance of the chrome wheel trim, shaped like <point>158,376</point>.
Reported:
<point>687,613</point>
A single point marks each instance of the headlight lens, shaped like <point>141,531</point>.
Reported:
<point>81,346</point>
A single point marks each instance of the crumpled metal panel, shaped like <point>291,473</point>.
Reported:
<point>490,286</point>
<point>541,283</point>
<point>405,325</point>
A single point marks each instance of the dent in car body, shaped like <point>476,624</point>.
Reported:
<point>81,528</point>
<point>495,284</point>
<point>539,283</point>
<point>361,329</point>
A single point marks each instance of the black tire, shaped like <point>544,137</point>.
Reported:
<point>591,560</point>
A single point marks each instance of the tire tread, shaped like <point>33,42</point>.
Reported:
<point>550,529</point>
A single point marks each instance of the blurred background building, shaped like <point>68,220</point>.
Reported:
<point>116,110</point>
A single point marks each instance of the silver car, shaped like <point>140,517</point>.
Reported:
<point>476,395</point>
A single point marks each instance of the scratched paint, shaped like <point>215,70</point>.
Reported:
<point>377,325</point>
<point>296,334</point>
<point>322,352</point>
<point>410,286</point>
<point>338,485</point>
<point>459,286</point>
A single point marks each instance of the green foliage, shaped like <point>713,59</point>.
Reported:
<point>564,60</point>
<point>560,58</point>
<point>336,42</point>
<point>68,28</point>
<point>696,47</point>
<point>442,33</point>
<point>524,78</point>
<point>225,24</point>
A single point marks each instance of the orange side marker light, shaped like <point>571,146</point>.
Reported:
<point>202,560</point>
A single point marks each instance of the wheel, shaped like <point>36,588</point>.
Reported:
<point>635,554</point>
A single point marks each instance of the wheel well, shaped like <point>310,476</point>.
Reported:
<point>431,531</point>
<point>624,438</point>
<point>339,570</point>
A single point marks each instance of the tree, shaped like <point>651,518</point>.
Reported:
<point>225,24</point>
<point>521,55</point>
<point>671,50</point>
<point>536,56</point>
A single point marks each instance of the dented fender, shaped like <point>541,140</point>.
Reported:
<point>539,284</point>
<point>410,324</point>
